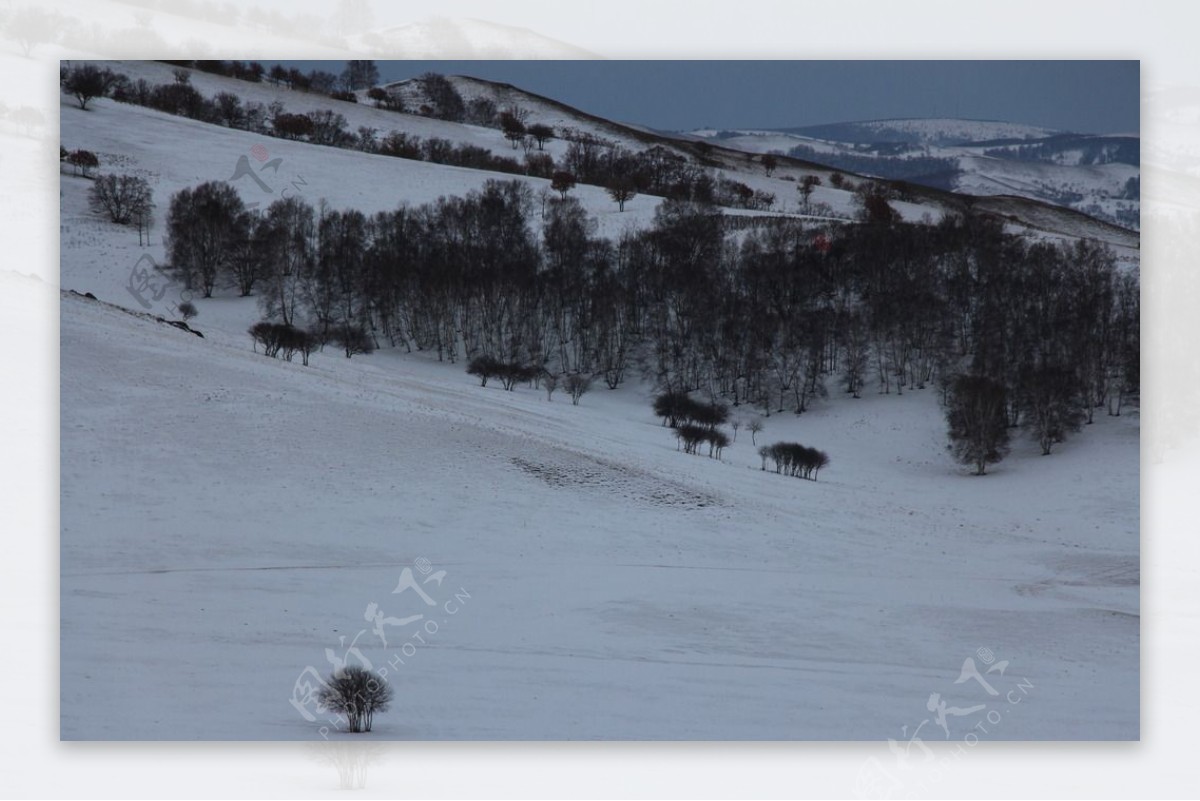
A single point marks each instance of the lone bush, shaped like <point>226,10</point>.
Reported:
<point>484,368</point>
<point>358,694</point>
<point>267,334</point>
<point>672,407</point>
<point>86,82</point>
<point>125,199</point>
<point>83,160</point>
<point>754,427</point>
<point>354,340</point>
<point>577,385</point>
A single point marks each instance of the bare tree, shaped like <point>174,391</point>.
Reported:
<point>541,133</point>
<point>1051,405</point>
<point>483,368</point>
<point>977,421</point>
<point>577,385</point>
<point>754,426</point>
<point>360,75</point>
<point>357,694</point>
<point>512,127</point>
<point>622,189</point>
<point>354,339</point>
<point>807,184</point>
<point>794,459</point>
<point>83,160</point>
<point>205,226</point>
<point>267,334</point>
<point>562,182</point>
<point>125,199</point>
<point>86,82</point>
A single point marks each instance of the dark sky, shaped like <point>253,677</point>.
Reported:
<point>1079,96</point>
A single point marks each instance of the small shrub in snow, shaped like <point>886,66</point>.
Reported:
<point>672,407</point>
<point>358,694</point>
<point>514,373</point>
<point>483,368</point>
<point>577,385</point>
<point>83,160</point>
<point>354,339</point>
<point>268,335</point>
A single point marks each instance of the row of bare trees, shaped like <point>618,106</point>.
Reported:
<point>794,459</point>
<point>770,317</point>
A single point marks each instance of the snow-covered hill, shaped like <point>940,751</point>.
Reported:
<point>923,131</point>
<point>228,520</point>
<point>732,158</point>
<point>1091,174</point>
<point>228,517</point>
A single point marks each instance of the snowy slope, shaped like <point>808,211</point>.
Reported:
<point>727,158</point>
<point>334,173</point>
<point>133,139</point>
<point>226,518</point>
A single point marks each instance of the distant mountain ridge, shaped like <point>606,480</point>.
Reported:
<point>922,131</point>
<point>1098,174</point>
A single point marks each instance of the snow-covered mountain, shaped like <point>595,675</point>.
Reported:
<point>1097,175</point>
<point>922,131</point>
